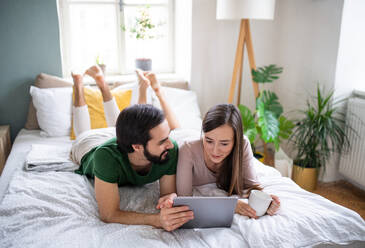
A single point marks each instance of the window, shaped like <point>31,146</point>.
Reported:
<point>92,29</point>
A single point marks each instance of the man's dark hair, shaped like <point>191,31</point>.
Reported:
<point>134,124</point>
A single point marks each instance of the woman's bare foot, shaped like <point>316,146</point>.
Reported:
<point>97,74</point>
<point>155,84</point>
<point>142,80</point>
<point>143,83</point>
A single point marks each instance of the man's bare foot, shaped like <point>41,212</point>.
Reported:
<point>97,74</point>
<point>77,78</point>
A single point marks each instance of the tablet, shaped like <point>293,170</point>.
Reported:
<point>208,211</point>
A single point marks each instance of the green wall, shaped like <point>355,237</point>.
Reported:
<point>29,44</point>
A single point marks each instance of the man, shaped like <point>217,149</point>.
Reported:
<point>140,153</point>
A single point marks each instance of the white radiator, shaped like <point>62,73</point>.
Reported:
<point>352,164</point>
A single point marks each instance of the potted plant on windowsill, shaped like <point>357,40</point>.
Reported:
<point>267,122</point>
<point>100,63</point>
<point>141,30</point>
<point>321,132</point>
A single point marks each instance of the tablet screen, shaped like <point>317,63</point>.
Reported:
<point>208,211</point>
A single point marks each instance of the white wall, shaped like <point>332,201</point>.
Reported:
<point>309,35</point>
<point>308,44</point>
<point>303,38</point>
<point>212,54</point>
<point>213,49</point>
<point>350,62</point>
<point>351,54</point>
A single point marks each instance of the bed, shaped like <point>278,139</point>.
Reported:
<point>58,208</point>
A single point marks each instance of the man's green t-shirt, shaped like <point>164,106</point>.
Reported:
<point>109,164</point>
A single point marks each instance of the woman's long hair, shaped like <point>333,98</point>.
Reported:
<point>230,176</point>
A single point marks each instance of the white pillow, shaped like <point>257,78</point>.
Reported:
<point>53,109</point>
<point>184,103</point>
<point>135,92</point>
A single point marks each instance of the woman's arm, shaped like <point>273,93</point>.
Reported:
<point>169,114</point>
<point>147,78</point>
<point>251,182</point>
<point>184,172</point>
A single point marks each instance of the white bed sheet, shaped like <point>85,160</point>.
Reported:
<point>58,209</point>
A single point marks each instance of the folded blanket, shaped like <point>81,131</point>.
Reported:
<point>88,140</point>
<point>49,158</point>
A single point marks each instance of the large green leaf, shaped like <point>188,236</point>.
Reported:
<point>270,101</point>
<point>248,121</point>
<point>285,130</point>
<point>266,74</point>
<point>268,123</point>
<point>277,143</point>
<point>285,127</point>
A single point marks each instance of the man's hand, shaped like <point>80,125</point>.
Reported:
<point>274,206</point>
<point>166,201</point>
<point>244,209</point>
<point>173,218</point>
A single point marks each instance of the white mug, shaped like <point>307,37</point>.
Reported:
<point>259,201</point>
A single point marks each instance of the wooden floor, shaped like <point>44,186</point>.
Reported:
<point>340,192</point>
<point>345,194</point>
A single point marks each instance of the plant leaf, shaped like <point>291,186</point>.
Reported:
<point>270,102</point>
<point>266,74</point>
<point>248,122</point>
<point>267,121</point>
<point>285,127</point>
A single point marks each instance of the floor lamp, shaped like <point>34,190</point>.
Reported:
<point>244,10</point>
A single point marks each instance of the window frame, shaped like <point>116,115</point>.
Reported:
<point>65,39</point>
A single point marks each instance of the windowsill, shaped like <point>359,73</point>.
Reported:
<point>130,78</point>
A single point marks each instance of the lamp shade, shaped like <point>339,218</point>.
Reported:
<point>245,9</point>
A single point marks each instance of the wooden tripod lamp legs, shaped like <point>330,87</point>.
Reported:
<point>244,38</point>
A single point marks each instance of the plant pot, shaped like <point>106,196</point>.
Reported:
<point>306,178</point>
<point>144,64</point>
<point>260,156</point>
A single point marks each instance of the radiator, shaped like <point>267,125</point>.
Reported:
<point>352,164</point>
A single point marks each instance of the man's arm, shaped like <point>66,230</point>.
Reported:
<point>167,185</point>
<point>107,197</point>
<point>167,191</point>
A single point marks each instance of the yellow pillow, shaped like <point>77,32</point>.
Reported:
<point>94,102</point>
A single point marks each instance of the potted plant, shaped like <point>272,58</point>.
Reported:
<point>267,122</point>
<point>320,132</point>
<point>100,63</point>
<point>143,29</point>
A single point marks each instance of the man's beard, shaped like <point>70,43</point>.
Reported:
<point>156,159</point>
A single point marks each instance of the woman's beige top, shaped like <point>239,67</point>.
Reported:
<point>192,171</point>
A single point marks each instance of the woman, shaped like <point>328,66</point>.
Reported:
<point>222,156</point>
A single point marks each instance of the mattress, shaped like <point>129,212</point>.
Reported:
<point>58,209</point>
